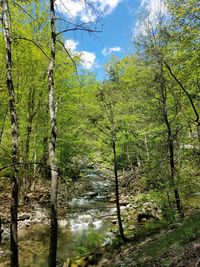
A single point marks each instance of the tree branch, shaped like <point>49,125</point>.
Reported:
<point>23,9</point>
<point>31,41</point>
<point>67,52</point>
<point>184,90</point>
<point>78,28</point>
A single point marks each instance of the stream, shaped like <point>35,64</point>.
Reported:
<point>89,218</point>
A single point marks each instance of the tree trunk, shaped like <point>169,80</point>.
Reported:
<point>172,168</point>
<point>146,146</point>
<point>44,160</point>
<point>197,120</point>
<point>121,231</point>
<point>31,114</point>
<point>52,144</point>
<point>14,136</point>
<point>170,143</point>
<point>1,231</point>
<point>3,125</point>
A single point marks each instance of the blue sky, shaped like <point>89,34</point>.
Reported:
<point>119,20</point>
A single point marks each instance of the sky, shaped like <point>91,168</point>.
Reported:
<point>119,21</point>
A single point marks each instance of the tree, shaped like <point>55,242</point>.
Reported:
<point>183,33</point>
<point>170,137</point>
<point>106,118</point>
<point>52,144</point>
<point>14,135</point>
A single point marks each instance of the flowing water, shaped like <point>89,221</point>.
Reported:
<point>90,216</point>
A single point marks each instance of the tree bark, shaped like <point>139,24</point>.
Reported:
<point>121,230</point>
<point>52,144</point>
<point>31,114</point>
<point>170,143</point>
<point>14,135</point>
<point>1,231</point>
<point>3,125</point>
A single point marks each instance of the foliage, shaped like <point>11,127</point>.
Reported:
<point>149,101</point>
<point>90,242</point>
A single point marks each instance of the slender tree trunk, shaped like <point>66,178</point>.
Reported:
<point>121,231</point>
<point>3,125</point>
<point>14,136</point>
<point>172,168</point>
<point>196,113</point>
<point>196,146</point>
<point>170,143</point>
<point>1,231</point>
<point>31,114</point>
<point>44,160</point>
<point>146,146</point>
<point>52,144</point>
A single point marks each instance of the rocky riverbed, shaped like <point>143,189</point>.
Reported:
<point>92,210</point>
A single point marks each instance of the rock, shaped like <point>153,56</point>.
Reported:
<point>94,258</point>
<point>148,211</point>
<point>124,203</point>
<point>196,246</point>
<point>29,195</point>
<point>67,263</point>
<point>114,222</point>
<point>100,197</point>
<point>91,194</point>
<point>112,200</point>
<point>2,253</point>
<point>145,216</point>
<point>131,227</point>
<point>24,217</point>
<point>6,234</point>
<point>104,262</point>
<point>80,262</point>
<point>175,225</point>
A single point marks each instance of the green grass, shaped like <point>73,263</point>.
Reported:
<point>186,233</point>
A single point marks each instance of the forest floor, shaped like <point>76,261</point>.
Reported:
<point>35,205</point>
<point>177,244</point>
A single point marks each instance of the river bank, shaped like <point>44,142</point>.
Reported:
<point>88,230</point>
<point>86,216</point>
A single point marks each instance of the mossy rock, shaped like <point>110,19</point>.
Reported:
<point>67,263</point>
<point>78,262</point>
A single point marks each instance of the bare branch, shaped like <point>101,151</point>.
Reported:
<point>78,28</point>
<point>22,163</point>
<point>33,42</point>
<point>23,9</point>
<point>67,52</point>
<point>184,90</point>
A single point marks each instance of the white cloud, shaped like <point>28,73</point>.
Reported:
<point>151,10</point>
<point>88,59</point>
<point>71,44</point>
<point>106,51</point>
<point>86,12</point>
<point>154,8</point>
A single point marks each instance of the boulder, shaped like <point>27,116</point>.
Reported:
<point>148,211</point>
